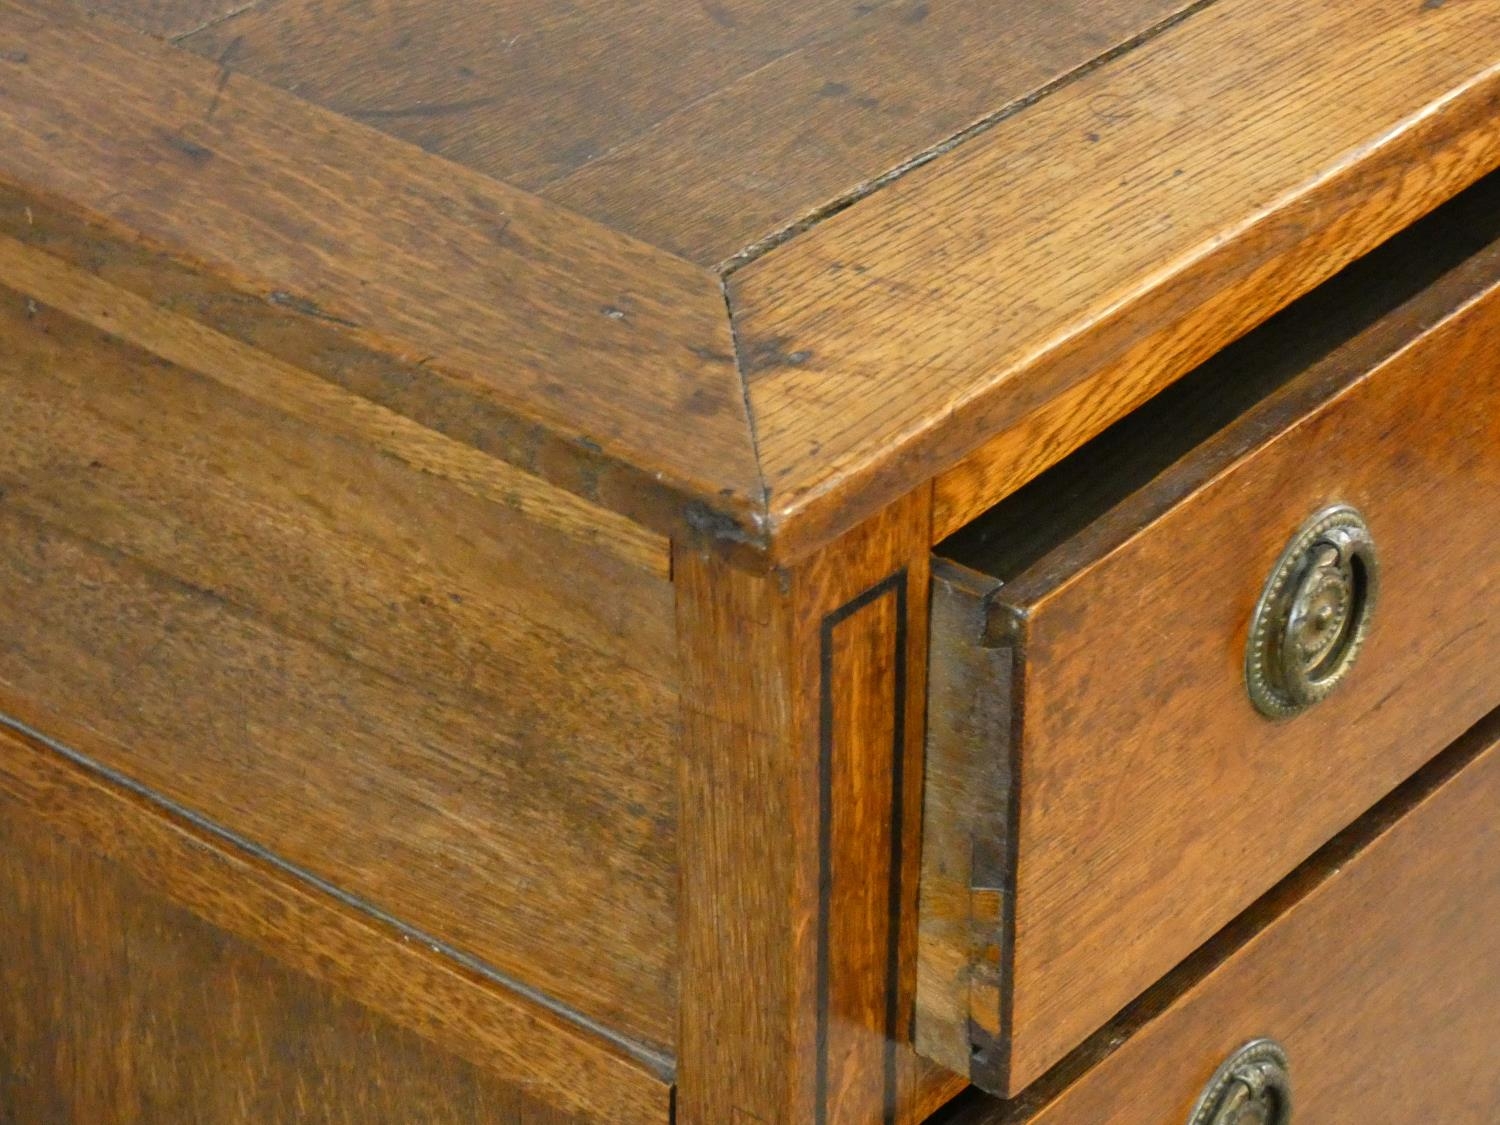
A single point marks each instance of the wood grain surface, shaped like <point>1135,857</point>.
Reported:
<point>970,799</point>
<point>703,129</point>
<point>324,405</point>
<point>167,19</point>
<point>1374,966</point>
<point>800,832</point>
<point>526,92</point>
<point>1281,144</point>
<point>296,966</point>
<point>412,691</point>
<point>1150,802</point>
<point>1048,275</point>
<point>759,160</point>
<point>483,461</point>
<point>471,307</point>
<point>120,1007</point>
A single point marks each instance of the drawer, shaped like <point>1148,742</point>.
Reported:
<point>1375,969</point>
<point>1103,790</point>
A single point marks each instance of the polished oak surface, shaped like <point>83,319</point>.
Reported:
<point>596,356</point>
<point>266,624</point>
<point>470,474</point>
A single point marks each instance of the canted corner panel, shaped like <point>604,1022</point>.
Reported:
<point>802,824</point>
<point>862,819</point>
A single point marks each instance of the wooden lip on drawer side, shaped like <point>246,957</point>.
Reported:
<point>1101,795</point>
<point>1373,966</point>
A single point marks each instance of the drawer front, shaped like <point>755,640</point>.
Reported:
<point>1103,794</point>
<point>1376,969</point>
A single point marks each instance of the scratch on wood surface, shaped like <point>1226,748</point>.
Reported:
<point>777,238</point>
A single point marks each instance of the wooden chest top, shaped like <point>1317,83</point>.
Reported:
<point>742,272</point>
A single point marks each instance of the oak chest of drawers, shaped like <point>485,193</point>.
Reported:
<point>830,563</point>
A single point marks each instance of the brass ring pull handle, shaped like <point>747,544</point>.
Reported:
<point>1253,1087</point>
<point>1313,614</point>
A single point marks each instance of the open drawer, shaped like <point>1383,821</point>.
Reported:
<point>1168,670</point>
<point>1362,989</point>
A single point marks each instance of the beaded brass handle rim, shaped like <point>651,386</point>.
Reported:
<point>1314,613</point>
<point>1252,1087</point>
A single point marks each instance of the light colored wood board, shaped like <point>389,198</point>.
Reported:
<point>741,824</point>
<point>324,405</point>
<point>308,951</point>
<point>469,306</point>
<point>825,123</point>
<point>1374,967</point>
<point>802,720</point>
<point>1098,245</point>
<point>1156,805</point>
<point>464,718</point>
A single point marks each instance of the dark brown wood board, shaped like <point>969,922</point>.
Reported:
<point>120,1006</point>
<point>701,128</point>
<point>169,19</point>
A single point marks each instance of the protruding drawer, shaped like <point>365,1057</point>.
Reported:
<point>1169,670</point>
<point>1362,989</point>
